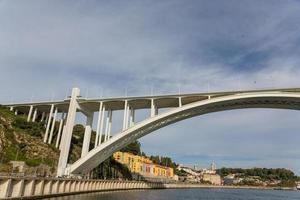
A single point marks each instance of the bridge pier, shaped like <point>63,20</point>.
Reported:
<point>46,119</point>
<point>87,135</point>
<point>48,123</point>
<point>52,127</point>
<point>61,123</point>
<point>154,109</point>
<point>108,125</point>
<point>125,117</point>
<point>180,102</point>
<point>34,115</point>
<point>132,117</point>
<point>29,113</point>
<point>99,125</point>
<point>62,136</point>
<point>42,117</point>
<point>102,125</point>
<point>67,133</point>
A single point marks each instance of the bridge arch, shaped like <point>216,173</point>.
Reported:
<point>280,100</point>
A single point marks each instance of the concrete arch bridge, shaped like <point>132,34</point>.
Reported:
<point>181,106</point>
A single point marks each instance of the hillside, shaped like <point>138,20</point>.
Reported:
<point>20,140</point>
<point>23,141</point>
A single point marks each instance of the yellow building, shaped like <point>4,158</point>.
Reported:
<point>143,165</point>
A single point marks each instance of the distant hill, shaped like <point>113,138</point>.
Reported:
<point>276,177</point>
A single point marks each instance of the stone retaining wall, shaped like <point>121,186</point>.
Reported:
<point>16,188</point>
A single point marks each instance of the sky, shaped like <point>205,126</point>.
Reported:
<point>142,47</point>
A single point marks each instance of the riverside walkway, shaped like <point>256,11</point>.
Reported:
<point>38,188</point>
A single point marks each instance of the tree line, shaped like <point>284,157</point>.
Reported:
<point>263,173</point>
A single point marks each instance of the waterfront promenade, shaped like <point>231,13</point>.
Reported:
<point>37,188</point>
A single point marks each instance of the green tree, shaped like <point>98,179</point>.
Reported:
<point>134,148</point>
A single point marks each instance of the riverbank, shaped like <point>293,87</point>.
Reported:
<point>188,194</point>
<point>38,188</point>
<point>190,186</point>
<point>184,185</point>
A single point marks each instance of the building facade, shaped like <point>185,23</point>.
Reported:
<point>214,179</point>
<point>143,166</point>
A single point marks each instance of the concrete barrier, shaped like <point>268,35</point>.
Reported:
<point>34,188</point>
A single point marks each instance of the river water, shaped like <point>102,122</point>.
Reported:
<point>188,194</point>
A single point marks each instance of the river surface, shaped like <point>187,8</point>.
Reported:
<point>188,194</point>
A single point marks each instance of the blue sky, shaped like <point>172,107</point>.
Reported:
<point>110,48</point>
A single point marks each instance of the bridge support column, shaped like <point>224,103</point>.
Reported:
<point>60,129</point>
<point>132,116</point>
<point>125,117</point>
<point>52,127</point>
<point>43,116</point>
<point>101,125</point>
<point>34,115</point>
<point>87,135</point>
<point>30,113</point>
<point>48,123</point>
<point>154,110</point>
<point>62,136</point>
<point>46,120</point>
<point>98,124</point>
<point>108,125</point>
<point>180,102</point>
<point>67,133</point>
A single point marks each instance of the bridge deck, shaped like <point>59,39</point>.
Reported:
<point>185,106</point>
<point>137,102</point>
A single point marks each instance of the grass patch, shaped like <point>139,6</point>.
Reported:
<point>33,128</point>
<point>13,153</point>
<point>33,162</point>
<point>5,112</point>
